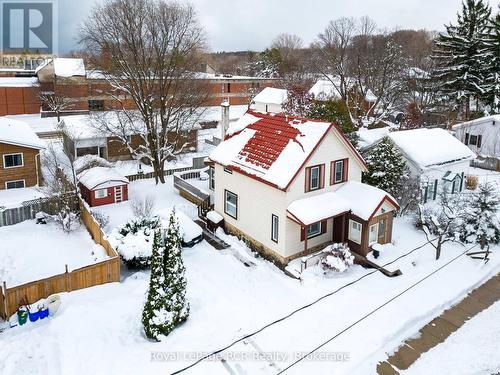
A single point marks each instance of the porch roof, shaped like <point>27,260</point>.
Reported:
<point>319,207</point>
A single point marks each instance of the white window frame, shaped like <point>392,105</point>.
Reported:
<point>339,162</point>
<point>275,223</point>
<point>310,233</point>
<point>228,170</point>
<point>311,187</point>
<point>370,240</point>
<point>231,205</point>
<point>352,237</point>
<point>15,166</point>
<point>9,182</point>
<point>97,193</point>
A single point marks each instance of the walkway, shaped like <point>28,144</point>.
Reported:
<point>441,327</point>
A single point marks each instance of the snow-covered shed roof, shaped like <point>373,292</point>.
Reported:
<point>364,199</point>
<point>19,133</point>
<point>271,95</point>
<point>69,67</point>
<point>101,177</point>
<point>429,148</point>
<point>273,147</point>
<point>494,120</point>
<point>18,81</point>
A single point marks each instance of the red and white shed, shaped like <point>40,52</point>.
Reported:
<point>101,185</point>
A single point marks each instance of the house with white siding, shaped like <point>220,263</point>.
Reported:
<point>434,156</point>
<point>291,186</point>
<point>482,136</point>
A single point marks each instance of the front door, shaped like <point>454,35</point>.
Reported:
<point>339,229</point>
<point>382,229</point>
<point>118,194</point>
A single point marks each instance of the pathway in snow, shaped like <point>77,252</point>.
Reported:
<point>441,327</point>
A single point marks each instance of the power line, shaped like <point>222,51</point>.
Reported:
<point>201,359</point>
<point>373,311</point>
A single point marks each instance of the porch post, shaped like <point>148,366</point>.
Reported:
<point>343,227</point>
<point>305,238</point>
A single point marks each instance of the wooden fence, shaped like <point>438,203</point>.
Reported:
<point>96,274</point>
<point>187,190</point>
<point>29,209</point>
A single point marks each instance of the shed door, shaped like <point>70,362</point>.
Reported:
<point>118,194</point>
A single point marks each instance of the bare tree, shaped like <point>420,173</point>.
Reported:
<point>441,222</point>
<point>143,207</point>
<point>54,103</point>
<point>153,50</point>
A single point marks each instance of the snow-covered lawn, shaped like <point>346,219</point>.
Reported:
<point>473,349</point>
<point>30,251</point>
<point>164,195</point>
<point>232,293</point>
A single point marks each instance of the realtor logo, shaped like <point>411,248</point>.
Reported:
<point>28,26</point>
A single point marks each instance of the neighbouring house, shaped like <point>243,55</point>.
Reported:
<point>19,155</point>
<point>291,186</point>
<point>368,137</point>
<point>269,100</point>
<point>101,185</point>
<point>19,95</point>
<point>483,137</point>
<point>82,135</point>
<point>436,158</point>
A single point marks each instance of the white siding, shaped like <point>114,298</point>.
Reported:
<point>490,132</point>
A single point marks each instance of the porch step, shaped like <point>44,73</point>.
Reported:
<point>211,238</point>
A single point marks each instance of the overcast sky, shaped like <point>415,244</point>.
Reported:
<point>252,24</point>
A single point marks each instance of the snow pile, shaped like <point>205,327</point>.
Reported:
<point>271,95</point>
<point>188,228</point>
<point>431,147</point>
<point>100,177</point>
<point>19,133</point>
<point>68,67</point>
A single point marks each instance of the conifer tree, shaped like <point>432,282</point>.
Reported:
<point>459,55</point>
<point>166,306</point>
<point>481,224</point>
<point>492,63</point>
<point>386,167</point>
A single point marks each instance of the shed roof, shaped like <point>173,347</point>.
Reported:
<point>271,95</point>
<point>94,177</point>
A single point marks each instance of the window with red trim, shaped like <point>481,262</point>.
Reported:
<point>315,178</point>
<point>338,171</point>
<point>313,230</point>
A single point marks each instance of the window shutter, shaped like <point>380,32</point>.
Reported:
<point>462,181</point>
<point>435,189</point>
<point>321,176</point>
<point>308,180</point>
<point>479,139</point>
<point>467,139</point>
<point>332,173</point>
<point>346,170</point>
<point>323,227</point>
<point>302,233</point>
<point>425,193</point>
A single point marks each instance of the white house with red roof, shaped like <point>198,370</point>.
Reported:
<point>291,186</point>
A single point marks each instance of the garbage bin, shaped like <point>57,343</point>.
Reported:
<point>22,316</point>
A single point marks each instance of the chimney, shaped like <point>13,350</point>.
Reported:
<point>224,123</point>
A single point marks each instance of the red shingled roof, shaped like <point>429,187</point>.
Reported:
<point>272,135</point>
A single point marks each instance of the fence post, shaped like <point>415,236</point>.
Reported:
<point>5,302</point>
<point>68,279</point>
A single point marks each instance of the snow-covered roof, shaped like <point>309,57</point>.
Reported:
<point>364,199</point>
<point>19,133</point>
<point>272,147</point>
<point>429,148</point>
<point>323,89</point>
<point>368,137</point>
<point>319,207</point>
<point>494,119</point>
<point>361,199</point>
<point>69,67</point>
<point>101,177</point>
<point>18,81</point>
<point>271,95</point>
<point>37,123</point>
